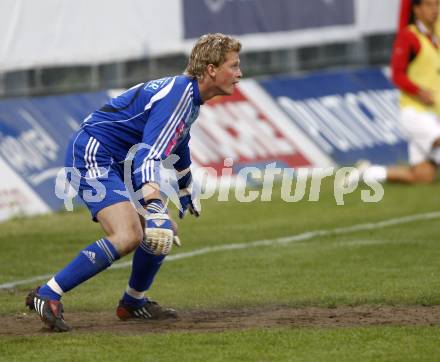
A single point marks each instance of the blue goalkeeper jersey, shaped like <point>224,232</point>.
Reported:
<point>157,114</point>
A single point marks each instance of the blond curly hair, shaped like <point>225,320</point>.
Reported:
<point>210,49</point>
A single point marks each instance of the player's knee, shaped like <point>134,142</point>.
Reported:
<point>426,178</point>
<point>128,239</point>
<point>424,175</point>
<point>134,237</point>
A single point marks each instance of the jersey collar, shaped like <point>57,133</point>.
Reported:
<point>197,99</point>
<point>424,30</point>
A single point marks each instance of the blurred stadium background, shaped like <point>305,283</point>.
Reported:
<point>51,47</point>
<point>316,93</point>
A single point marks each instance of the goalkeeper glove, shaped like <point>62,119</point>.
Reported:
<point>186,203</point>
<point>185,198</point>
<point>159,231</point>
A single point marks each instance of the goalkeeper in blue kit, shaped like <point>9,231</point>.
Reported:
<point>151,121</point>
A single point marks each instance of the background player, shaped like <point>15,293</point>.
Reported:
<point>157,114</point>
<point>416,72</point>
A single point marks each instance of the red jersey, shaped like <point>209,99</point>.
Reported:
<point>405,49</point>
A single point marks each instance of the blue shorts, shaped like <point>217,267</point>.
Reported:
<point>93,173</point>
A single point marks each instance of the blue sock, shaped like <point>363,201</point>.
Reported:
<point>132,301</point>
<point>89,262</point>
<point>144,268</point>
<point>49,292</point>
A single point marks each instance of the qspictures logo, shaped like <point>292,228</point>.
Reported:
<point>221,183</point>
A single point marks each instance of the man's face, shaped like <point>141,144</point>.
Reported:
<point>427,11</point>
<point>228,74</point>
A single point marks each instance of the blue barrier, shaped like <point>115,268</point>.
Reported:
<point>350,115</point>
<point>34,134</point>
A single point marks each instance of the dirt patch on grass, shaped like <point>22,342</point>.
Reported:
<point>29,324</point>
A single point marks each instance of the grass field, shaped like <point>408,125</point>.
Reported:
<point>330,266</point>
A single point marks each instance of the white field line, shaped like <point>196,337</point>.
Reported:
<point>265,242</point>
